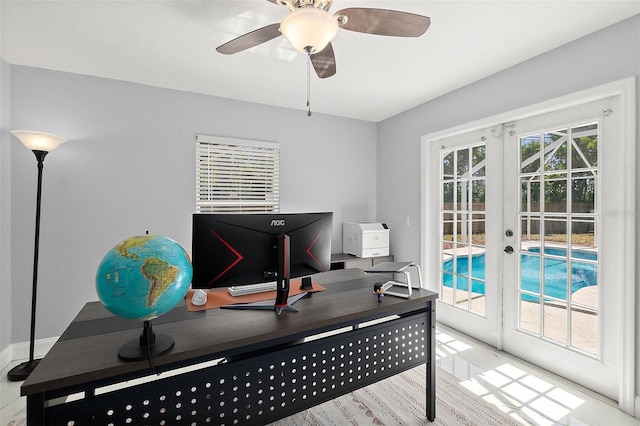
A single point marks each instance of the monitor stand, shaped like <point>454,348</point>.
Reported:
<point>282,292</point>
<point>268,305</point>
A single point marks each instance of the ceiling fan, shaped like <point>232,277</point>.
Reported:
<point>310,27</point>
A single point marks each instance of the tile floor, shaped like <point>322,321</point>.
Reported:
<point>527,393</point>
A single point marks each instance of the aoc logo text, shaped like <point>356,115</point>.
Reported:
<point>277,222</point>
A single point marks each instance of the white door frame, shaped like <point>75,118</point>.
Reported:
<point>625,89</point>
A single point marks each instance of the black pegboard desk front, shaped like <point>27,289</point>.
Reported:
<point>271,373</point>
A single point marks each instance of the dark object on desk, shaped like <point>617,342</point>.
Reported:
<point>377,289</point>
<point>306,284</point>
<point>148,346</point>
<point>380,288</point>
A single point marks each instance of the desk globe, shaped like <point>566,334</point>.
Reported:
<point>142,278</point>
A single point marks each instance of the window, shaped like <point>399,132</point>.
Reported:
<point>237,176</point>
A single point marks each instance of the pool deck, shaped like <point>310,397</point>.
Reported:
<point>449,253</point>
<point>584,324</point>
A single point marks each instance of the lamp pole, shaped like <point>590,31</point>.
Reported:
<point>40,144</point>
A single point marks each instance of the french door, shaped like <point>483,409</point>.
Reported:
<point>526,235</point>
<point>468,258</point>
<point>561,177</point>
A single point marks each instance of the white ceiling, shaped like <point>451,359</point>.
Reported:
<point>172,44</point>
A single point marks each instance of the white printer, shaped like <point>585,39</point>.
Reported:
<point>365,239</point>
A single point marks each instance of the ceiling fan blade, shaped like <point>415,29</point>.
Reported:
<point>384,22</point>
<point>250,40</point>
<point>324,62</point>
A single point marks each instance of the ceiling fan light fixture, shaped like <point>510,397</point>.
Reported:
<point>309,29</point>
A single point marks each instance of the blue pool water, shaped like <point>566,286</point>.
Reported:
<point>583,274</point>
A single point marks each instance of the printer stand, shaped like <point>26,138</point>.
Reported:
<point>401,277</point>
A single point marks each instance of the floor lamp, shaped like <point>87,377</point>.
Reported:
<point>41,144</point>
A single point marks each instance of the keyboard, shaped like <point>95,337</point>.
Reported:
<point>241,290</point>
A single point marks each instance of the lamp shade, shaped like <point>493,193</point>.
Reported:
<point>38,141</point>
<point>309,29</point>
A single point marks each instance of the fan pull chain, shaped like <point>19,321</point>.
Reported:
<point>309,85</point>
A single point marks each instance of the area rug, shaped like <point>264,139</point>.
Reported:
<point>398,400</point>
<point>401,400</point>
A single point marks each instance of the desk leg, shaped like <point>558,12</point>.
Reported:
<point>35,409</point>
<point>431,361</point>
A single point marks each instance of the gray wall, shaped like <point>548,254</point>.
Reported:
<point>5,207</point>
<point>602,57</point>
<point>129,167</point>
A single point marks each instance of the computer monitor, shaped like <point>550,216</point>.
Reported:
<point>238,249</point>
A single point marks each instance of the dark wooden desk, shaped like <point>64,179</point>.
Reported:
<point>274,368</point>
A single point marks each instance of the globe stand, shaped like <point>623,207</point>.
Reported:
<point>148,345</point>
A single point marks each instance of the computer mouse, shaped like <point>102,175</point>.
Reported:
<point>199,298</point>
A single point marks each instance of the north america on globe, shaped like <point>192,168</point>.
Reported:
<point>124,248</point>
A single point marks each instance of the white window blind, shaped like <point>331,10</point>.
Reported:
<point>237,176</point>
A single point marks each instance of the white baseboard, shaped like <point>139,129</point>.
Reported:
<point>20,351</point>
<point>6,357</point>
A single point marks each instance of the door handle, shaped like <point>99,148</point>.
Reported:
<point>508,249</point>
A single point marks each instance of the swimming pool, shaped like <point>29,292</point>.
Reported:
<point>583,273</point>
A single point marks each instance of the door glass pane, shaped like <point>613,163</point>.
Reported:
<point>462,228</point>
<point>462,257</point>
<point>477,231</point>
<point>530,232</point>
<point>447,230</point>
<point>584,279</point>
<point>478,157</point>
<point>583,191</point>
<point>448,166</point>
<point>555,192</point>
<point>530,194</point>
<point>477,268</point>
<point>530,275</point>
<point>476,304</point>
<point>559,279</point>
<point>462,195</point>
<point>555,150</point>
<point>555,278</point>
<point>530,314</point>
<point>463,224</point>
<point>477,195</point>
<point>447,195</point>
<point>530,154</point>
<point>462,167</point>
<point>555,322</point>
<point>585,146</point>
<point>584,330</point>
<point>446,295</point>
<point>555,236</point>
